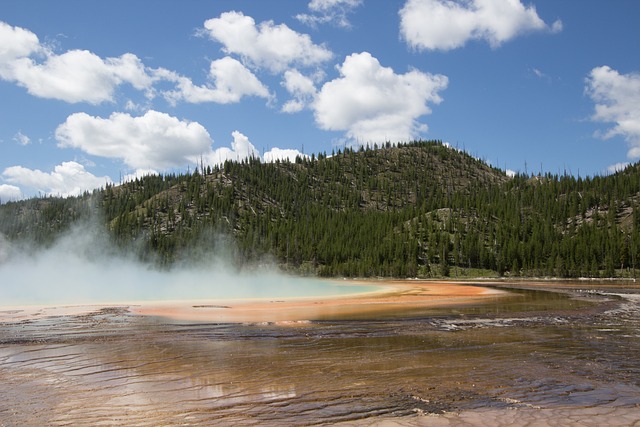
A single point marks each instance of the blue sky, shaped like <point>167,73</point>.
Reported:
<point>95,92</point>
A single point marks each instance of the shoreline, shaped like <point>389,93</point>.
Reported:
<point>391,295</point>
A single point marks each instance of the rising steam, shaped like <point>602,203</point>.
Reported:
<point>83,267</point>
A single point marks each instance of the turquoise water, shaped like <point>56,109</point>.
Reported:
<point>51,282</point>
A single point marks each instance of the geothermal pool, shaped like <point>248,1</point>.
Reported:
<point>541,354</point>
<point>86,270</point>
<point>120,287</point>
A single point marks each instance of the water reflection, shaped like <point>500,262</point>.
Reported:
<point>546,354</point>
<point>518,301</point>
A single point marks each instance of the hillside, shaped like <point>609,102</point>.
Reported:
<point>421,209</point>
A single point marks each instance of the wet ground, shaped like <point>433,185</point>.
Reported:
<point>565,356</point>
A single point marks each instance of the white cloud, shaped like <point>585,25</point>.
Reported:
<point>293,106</point>
<point>139,173</point>
<point>267,45</point>
<point>74,76</point>
<point>15,43</point>
<point>132,106</point>
<point>617,99</point>
<point>618,167</point>
<point>510,173</point>
<point>81,76</point>
<point>301,88</point>
<point>242,146</point>
<point>329,11</point>
<point>282,154</point>
<point>446,24</point>
<point>152,141</point>
<point>326,5</point>
<point>541,75</point>
<point>373,104</point>
<point>9,193</point>
<point>231,81</point>
<point>21,138</point>
<point>67,179</point>
<point>241,149</point>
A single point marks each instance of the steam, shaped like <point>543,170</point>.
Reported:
<point>4,249</point>
<point>82,267</point>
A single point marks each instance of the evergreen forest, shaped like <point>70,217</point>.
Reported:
<point>421,209</point>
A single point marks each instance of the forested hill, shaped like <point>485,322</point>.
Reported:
<point>416,210</point>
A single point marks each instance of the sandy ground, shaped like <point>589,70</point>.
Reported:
<point>392,295</point>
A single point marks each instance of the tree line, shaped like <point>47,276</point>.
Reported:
<point>421,209</point>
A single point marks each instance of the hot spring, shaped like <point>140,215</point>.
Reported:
<point>82,267</point>
<point>565,358</point>
<point>62,280</point>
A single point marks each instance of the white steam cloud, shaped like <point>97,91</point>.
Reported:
<point>83,268</point>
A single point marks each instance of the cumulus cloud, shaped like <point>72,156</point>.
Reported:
<point>67,179</point>
<point>230,82</point>
<point>82,76</point>
<point>267,45</point>
<point>74,76</point>
<point>617,99</point>
<point>139,173</point>
<point>617,167</point>
<point>9,193</point>
<point>152,141</point>
<point>278,154</point>
<point>16,43</point>
<point>163,140</point>
<point>301,87</point>
<point>242,149</point>
<point>372,103</point>
<point>329,12</point>
<point>446,24</point>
